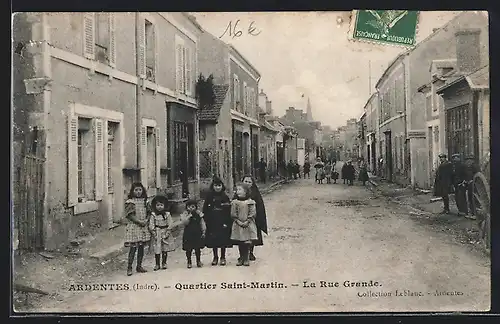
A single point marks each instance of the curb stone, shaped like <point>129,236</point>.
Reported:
<point>109,253</point>
<point>119,249</point>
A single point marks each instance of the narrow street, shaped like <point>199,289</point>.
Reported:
<point>331,233</point>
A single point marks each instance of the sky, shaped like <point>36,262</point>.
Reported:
<point>309,53</point>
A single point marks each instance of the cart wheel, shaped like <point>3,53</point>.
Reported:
<point>482,209</point>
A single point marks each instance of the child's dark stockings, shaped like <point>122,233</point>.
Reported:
<point>131,256</point>
<point>163,261</point>
<point>197,253</point>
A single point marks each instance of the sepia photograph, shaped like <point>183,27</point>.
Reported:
<point>250,162</point>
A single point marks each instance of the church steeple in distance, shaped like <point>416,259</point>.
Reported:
<point>309,110</point>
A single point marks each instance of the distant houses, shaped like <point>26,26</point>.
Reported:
<point>432,99</point>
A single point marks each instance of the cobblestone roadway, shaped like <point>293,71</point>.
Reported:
<point>314,237</point>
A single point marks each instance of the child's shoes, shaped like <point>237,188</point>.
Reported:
<point>140,269</point>
<point>129,271</point>
<point>199,264</point>
<point>156,268</point>
<point>189,265</point>
<point>215,261</point>
<point>240,262</point>
<point>164,266</point>
<point>222,262</point>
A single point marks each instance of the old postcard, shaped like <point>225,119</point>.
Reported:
<point>251,162</point>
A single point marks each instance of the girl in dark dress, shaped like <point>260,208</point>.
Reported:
<point>217,215</point>
<point>261,218</point>
<point>193,237</point>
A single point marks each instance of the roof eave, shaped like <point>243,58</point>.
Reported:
<point>446,86</point>
<point>389,68</point>
<point>245,60</point>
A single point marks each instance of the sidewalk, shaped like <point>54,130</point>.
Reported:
<point>94,257</point>
<point>425,209</point>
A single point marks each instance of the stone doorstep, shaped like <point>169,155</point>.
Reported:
<point>118,249</point>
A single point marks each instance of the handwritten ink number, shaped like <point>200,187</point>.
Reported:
<point>234,31</point>
<point>251,29</point>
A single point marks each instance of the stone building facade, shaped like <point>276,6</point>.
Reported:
<point>110,95</point>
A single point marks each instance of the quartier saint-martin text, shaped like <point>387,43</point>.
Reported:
<point>230,285</point>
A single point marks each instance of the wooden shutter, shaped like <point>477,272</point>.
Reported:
<point>112,40</point>
<point>235,92</point>
<point>178,70</point>
<point>189,66</point>
<point>72,160</point>
<point>89,35</point>
<point>144,156</point>
<point>141,47</point>
<point>245,97</point>
<point>156,49</point>
<point>158,157</point>
<point>183,65</point>
<point>99,159</point>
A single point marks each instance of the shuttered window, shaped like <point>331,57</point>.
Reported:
<point>151,50</point>
<point>99,41</point>
<point>237,94</point>
<point>83,164</point>
<point>184,62</point>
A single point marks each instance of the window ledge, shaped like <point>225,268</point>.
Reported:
<point>86,207</point>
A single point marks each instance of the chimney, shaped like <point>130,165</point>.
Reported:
<point>468,50</point>
<point>269,109</point>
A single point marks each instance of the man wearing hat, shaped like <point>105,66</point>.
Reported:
<point>459,183</point>
<point>443,182</point>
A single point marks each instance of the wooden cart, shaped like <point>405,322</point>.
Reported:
<point>481,190</point>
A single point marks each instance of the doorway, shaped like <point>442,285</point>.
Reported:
<point>183,167</point>
<point>112,172</point>
<point>374,156</point>
<point>388,156</point>
<point>430,157</point>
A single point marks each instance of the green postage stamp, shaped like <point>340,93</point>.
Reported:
<point>394,27</point>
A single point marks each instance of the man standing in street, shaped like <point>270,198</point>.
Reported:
<point>262,170</point>
<point>471,168</point>
<point>459,183</point>
<point>443,182</point>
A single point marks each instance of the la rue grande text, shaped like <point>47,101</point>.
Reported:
<point>338,284</point>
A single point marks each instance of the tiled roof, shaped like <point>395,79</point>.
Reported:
<point>476,80</point>
<point>212,113</point>
<point>479,79</point>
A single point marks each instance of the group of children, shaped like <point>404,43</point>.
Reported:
<point>220,224</point>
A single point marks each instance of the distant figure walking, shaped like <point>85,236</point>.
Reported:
<point>320,170</point>
<point>328,172</point>
<point>262,165</point>
<point>363,173</point>
<point>307,169</point>
<point>350,173</point>
<point>343,172</point>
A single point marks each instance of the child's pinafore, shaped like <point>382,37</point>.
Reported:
<point>134,234</point>
<point>243,210</point>
<point>160,226</point>
<point>192,238</point>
